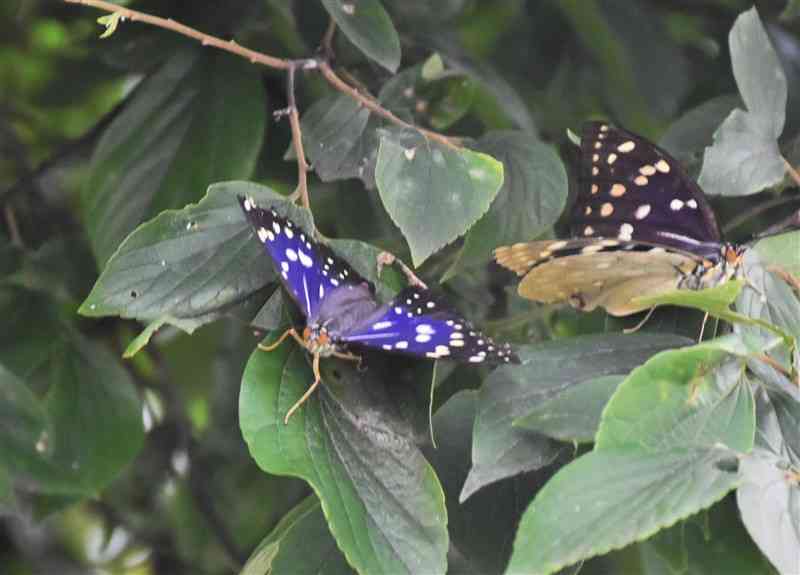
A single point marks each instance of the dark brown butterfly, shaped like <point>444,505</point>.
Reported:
<point>641,227</point>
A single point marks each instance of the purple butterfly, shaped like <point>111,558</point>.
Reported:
<point>342,313</point>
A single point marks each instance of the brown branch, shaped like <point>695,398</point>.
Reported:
<point>773,364</point>
<point>297,140</point>
<point>13,228</point>
<point>757,210</point>
<point>278,63</point>
<point>327,40</point>
<point>387,259</point>
<point>204,39</point>
<point>372,105</point>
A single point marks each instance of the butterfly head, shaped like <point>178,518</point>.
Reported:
<point>317,340</point>
<point>717,270</point>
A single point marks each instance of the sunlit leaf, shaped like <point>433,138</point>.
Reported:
<point>745,158</point>
<point>432,192</point>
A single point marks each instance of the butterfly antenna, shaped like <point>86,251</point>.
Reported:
<point>289,332</point>
<point>309,391</point>
<point>702,328</point>
<point>639,325</point>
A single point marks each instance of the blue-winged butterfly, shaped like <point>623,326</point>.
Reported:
<point>640,227</point>
<point>341,311</point>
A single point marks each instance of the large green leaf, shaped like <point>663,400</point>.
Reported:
<point>574,414</point>
<point>499,449</point>
<point>769,497</point>
<point>80,422</point>
<point>367,25</point>
<point>198,119</point>
<point>185,266</point>
<point>531,199</point>
<point>432,192</point>
<point>606,500</point>
<point>382,500</point>
<point>666,448</point>
<point>745,158</point>
<point>694,397</point>
<point>300,544</point>
<point>782,251</point>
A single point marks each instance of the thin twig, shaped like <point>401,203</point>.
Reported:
<point>204,39</point>
<point>278,63</point>
<point>327,40</point>
<point>773,364</point>
<point>13,228</point>
<point>791,171</point>
<point>297,141</point>
<point>757,210</point>
<point>387,259</point>
<point>372,105</point>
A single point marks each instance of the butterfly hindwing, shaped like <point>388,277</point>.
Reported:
<point>417,323</point>
<point>633,190</point>
<point>308,269</point>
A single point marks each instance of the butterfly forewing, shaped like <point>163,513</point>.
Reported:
<point>632,190</point>
<point>308,269</point>
<point>417,323</point>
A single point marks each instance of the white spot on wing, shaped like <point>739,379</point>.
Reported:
<point>422,338</point>
<point>425,328</point>
<point>401,345</point>
<point>262,234</point>
<point>291,254</point>
<point>642,211</point>
<point>382,325</point>
<point>304,259</point>
<point>675,205</point>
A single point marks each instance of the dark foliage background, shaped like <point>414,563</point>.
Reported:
<point>123,156</point>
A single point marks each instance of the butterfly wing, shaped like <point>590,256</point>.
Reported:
<point>631,189</point>
<point>417,323</point>
<point>309,270</point>
<point>592,273</point>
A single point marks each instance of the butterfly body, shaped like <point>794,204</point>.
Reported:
<point>342,314</point>
<point>640,226</point>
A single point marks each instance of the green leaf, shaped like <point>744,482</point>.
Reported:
<point>340,139</point>
<point>476,546</point>
<point>531,199</point>
<point>574,414</point>
<point>178,134</point>
<point>433,193</point>
<point>689,135</point>
<point>745,157</point>
<point>666,448</point>
<point>186,266</point>
<point>383,503</point>
<point>695,397</point>
<point>716,302</point>
<point>769,497</point>
<point>500,450</point>
<point>92,425</point>
<point>24,424</point>
<point>713,541</point>
<point>782,251</point>
<point>300,544</point>
<point>605,500</point>
<point>367,25</point>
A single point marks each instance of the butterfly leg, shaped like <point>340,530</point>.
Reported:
<point>289,332</point>
<point>309,391</point>
<point>349,357</point>
<point>639,325</point>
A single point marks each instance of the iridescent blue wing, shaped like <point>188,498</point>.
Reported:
<point>417,323</point>
<point>308,269</point>
<point>631,189</point>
